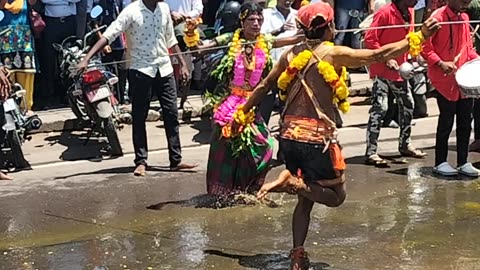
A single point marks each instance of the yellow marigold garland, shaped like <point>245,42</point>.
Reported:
<point>192,36</point>
<point>298,63</point>
<point>327,70</point>
<point>192,40</point>
<point>415,41</point>
<point>243,118</point>
<point>235,45</point>
<point>338,84</point>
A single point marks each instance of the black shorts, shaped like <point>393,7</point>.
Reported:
<point>309,158</point>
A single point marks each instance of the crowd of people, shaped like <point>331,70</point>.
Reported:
<point>295,55</point>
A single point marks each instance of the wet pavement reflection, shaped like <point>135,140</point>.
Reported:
<point>396,218</point>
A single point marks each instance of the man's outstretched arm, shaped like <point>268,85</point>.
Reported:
<point>347,57</point>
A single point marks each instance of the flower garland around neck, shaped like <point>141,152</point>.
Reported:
<point>415,42</point>
<point>327,70</point>
<point>235,60</point>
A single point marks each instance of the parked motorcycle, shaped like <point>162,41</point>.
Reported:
<point>16,127</point>
<point>91,94</point>
<point>16,123</point>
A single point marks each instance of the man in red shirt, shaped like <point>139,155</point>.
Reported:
<point>387,78</point>
<point>432,5</point>
<point>440,51</point>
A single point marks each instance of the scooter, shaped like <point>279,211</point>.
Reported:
<point>16,127</point>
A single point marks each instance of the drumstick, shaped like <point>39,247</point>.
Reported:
<point>466,45</point>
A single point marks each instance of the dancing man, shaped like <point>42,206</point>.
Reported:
<point>452,49</point>
<point>308,76</point>
<point>386,79</point>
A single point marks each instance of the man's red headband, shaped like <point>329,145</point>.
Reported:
<point>308,13</point>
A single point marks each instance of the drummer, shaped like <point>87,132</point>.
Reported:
<point>387,80</point>
<point>441,71</point>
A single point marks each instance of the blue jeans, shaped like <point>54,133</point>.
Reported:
<point>344,21</point>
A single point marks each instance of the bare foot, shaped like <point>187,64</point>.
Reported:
<point>3,176</point>
<point>183,166</point>
<point>283,183</point>
<point>140,170</point>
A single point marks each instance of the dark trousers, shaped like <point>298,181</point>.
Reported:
<point>266,106</point>
<point>56,30</point>
<point>141,86</point>
<point>462,109</point>
<point>476,119</point>
<point>120,71</point>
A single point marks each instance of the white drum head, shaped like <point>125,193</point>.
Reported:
<point>468,75</point>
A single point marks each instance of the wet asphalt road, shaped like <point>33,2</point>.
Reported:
<point>95,215</point>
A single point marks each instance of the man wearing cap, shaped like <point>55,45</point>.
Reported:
<point>314,162</point>
<point>386,79</point>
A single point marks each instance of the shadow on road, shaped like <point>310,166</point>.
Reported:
<point>264,261</point>
<point>94,150</point>
<point>204,127</point>
<point>125,170</point>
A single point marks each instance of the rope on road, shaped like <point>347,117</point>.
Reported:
<point>352,30</point>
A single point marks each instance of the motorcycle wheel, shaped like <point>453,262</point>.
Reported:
<point>112,136</point>
<point>16,152</point>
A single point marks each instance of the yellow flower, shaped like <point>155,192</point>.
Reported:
<point>297,64</point>
<point>338,84</point>
<point>328,43</point>
<point>192,41</point>
<point>243,119</point>
<point>283,81</point>
<point>328,71</point>
<point>305,2</point>
<point>344,106</point>
<point>415,41</point>
<point>282,95</point>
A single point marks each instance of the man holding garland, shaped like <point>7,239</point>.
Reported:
<point>315,165</point>
<point>386,78</point>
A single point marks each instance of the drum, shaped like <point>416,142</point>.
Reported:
<point>468,79</point>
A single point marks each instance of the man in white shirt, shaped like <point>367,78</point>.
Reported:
<point>149,30</point>
<point>280,22</point>
<point>60,23</point>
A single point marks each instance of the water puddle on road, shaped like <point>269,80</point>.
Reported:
<point>402,219</point>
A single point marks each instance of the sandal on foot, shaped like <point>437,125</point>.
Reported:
<point>299,259</point>
<point>411,152</point>
<point>377,161</point>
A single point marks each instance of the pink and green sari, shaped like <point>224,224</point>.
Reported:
<point>238,164</point>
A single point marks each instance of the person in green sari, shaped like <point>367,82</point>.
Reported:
<point>239,159</point>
